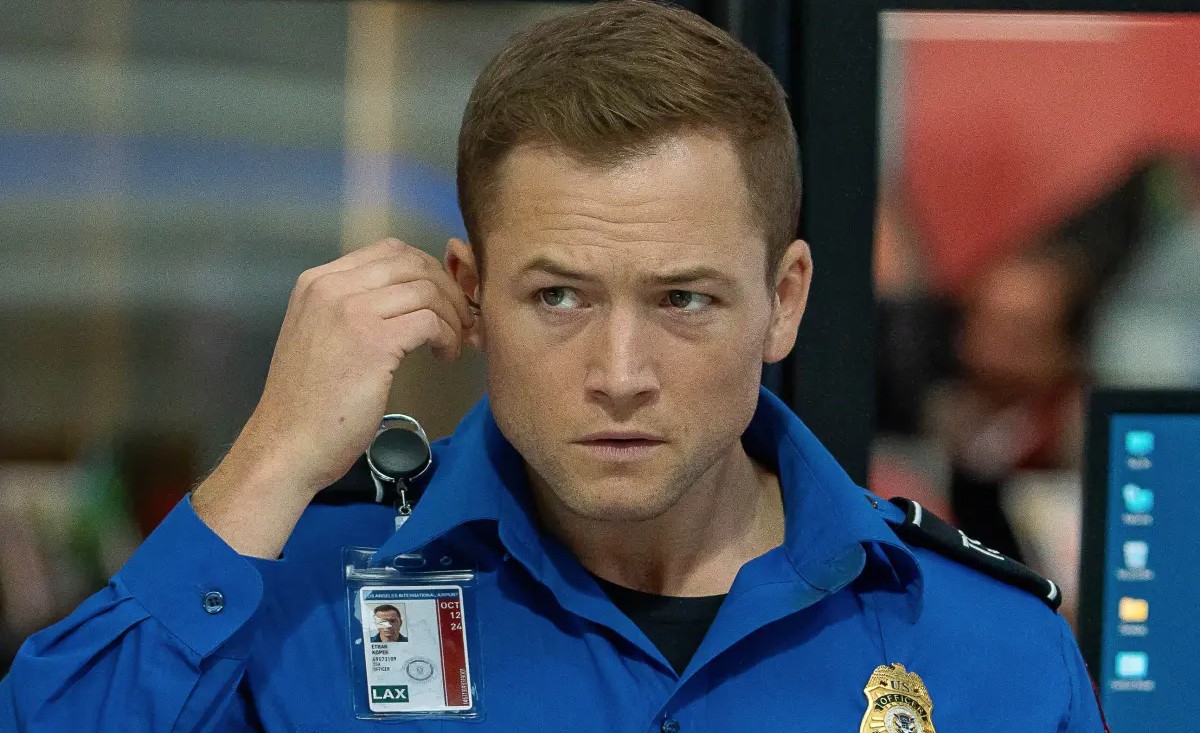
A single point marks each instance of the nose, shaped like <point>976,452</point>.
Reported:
<point>621,371</point>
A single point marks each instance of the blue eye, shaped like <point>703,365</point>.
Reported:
<point>688,298</point>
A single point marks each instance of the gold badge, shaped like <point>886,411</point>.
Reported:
<point>897,702</point>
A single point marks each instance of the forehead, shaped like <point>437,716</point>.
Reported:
<point>685,201</point>
<point>387,612</point>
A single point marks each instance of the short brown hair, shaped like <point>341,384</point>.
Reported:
<point>607,83</point>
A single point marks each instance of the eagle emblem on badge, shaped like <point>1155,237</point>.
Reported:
<point>897,702</point>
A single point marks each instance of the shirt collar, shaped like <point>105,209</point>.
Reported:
<point>477,475</point>
<point>828,519</point>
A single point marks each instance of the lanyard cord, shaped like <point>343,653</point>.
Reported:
<point>893,627</point>
<point>871,602</point>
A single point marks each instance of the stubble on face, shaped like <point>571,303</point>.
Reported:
<point>615,351</point>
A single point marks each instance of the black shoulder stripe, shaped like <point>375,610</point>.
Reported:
<point>925,529</point>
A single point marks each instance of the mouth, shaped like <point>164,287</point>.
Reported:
<point>621,449</point>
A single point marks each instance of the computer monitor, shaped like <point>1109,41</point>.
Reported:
<point>1139,615</point>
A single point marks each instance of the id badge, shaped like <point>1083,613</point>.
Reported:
<point>412,638</point>
<point>415,643</point>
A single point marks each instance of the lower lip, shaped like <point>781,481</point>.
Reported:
<point>621,450</point>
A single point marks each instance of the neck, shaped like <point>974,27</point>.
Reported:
<point>731,515</point>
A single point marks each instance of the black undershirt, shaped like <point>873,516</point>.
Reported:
<point>675,625</point>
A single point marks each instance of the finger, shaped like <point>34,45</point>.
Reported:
<point>440,276</point>
<point>382,249</point>
<point>396,300</point>
<point>412,330</point>
<point>446,350</point>
<point>410,266</point>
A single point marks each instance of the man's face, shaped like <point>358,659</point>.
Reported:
<point>389,630</point>
<point>588,333</point>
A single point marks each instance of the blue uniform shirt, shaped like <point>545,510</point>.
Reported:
<point>191,636</point>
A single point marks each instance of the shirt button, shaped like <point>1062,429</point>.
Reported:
<point>670,725</point>
<point>214,601</point>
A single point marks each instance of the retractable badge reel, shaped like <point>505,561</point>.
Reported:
<point>411,618</point>
<point>398,454</point>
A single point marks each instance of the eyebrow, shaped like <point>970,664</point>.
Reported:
<point>675,277</point>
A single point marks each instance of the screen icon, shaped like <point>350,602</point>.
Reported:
<point>1136,554</point>
<point>1133,610</point>
<point>1137,499</point>
<point>1139,443</point>
<point>1132,665</point>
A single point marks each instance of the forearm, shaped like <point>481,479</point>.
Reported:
<point>251,501</point>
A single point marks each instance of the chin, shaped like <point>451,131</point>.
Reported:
<point>622,504</point>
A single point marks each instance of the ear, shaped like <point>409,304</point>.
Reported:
<point>789,301</point>
<point>460,263</point>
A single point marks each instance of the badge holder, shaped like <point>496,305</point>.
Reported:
<point>411,621</point>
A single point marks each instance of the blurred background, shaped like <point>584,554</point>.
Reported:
<point>167,170</point>
<point>1037,233</point>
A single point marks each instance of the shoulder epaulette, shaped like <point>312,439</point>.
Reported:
<point>924,529</point>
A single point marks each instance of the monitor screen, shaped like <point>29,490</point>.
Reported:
<point>1148,617</point>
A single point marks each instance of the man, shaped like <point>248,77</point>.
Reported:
<point>387,620</point>
<point>661,545</point>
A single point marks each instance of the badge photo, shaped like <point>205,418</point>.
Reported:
<point>387,623</point>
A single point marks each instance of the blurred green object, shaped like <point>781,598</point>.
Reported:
<point>101,534</point>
